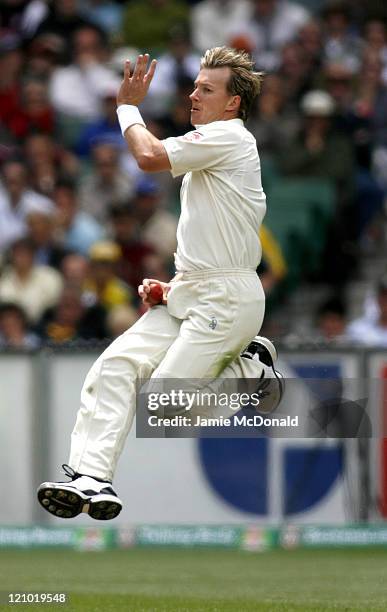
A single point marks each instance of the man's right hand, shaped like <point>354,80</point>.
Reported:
<point>134,88</point>
<point>145,288</point>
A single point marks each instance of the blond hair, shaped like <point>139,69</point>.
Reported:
<point>243,81</point>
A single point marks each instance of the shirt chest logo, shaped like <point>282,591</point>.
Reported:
<point>192,136</point>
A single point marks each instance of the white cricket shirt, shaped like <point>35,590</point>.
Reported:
<point>222,200</point>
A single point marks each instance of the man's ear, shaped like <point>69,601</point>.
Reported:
<point>234,103</point>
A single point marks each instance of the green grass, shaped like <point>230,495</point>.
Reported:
<point>166,580</point>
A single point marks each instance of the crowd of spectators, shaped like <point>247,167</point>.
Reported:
<point>81,225</point>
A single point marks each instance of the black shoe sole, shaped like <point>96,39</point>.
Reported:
<point>65,502</point>
<point>104,510</point>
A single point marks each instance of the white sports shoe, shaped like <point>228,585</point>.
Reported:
<point>271,383</point>
<point>81,494</point>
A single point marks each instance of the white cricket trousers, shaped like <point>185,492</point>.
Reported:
<point>210,318</point>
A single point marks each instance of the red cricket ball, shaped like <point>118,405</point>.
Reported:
<point>156,294</point>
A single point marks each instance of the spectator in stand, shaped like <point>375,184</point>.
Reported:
<point>125,232</point>
<point>274,124</point>
<point>331,321</point>
<point>315,151</point>
<point>103,286</point>
<point>296,71</point>
<point>146,23</point>
<point>72,319</point>
<point>157,226</point>
<point>14,329</point>
<point>376,40</point>
<point>370,103</point>
<point>35,288</point>
<point>41,232</point>
<point>269,26</point>
<point>372,331</point>
<point>87,78</point>
<point>48,162</point>
<point>77,230</point>
<point>355,120</point>
<point>341,44</point>
<point>339,81</point>
<point>310,38</point>
<point>34,111</point>
<point>105,129</point>
<point>43,54</point>
<point>363,10</point>
<point>106,14</point>
<point>63,19</point>
<point>75,269</point>
<point>11,64</point>
<point>22,16</point>
<point>12,193</point>
<point>105,184</point>
<point>16,198</point>
<point>178,64</point>
<point>215,22</point>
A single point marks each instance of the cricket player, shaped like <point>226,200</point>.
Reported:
<point>215,304</point>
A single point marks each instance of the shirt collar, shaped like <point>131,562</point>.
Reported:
<point>235,120</point>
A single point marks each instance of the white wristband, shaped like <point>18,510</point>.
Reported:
<point>128,115</point>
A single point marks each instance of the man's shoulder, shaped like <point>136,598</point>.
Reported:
<point>33,201</point>
<point>228,127</point>
<point>44,273</point>
<point>361,324</point>
<point>86,224</point>
<point>363,330</point>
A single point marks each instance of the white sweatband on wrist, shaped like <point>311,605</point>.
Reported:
<point>128,115</point>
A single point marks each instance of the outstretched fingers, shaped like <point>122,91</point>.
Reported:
<point>149,75</point>
<point>127,70</point>
<point>140,71</point>
<point>136,71</point>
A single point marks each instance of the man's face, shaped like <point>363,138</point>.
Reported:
<point>265,8</point>
<point>15,179</point>
<point>106,162</point>
<point>87,45</point>
<point>210,100</point>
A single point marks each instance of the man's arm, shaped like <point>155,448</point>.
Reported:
<point>148,151</point>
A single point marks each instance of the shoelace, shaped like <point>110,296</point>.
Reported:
<point>68,471</point>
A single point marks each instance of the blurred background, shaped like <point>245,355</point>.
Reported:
<point>81,225</point>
